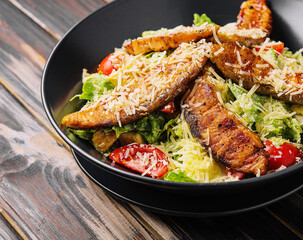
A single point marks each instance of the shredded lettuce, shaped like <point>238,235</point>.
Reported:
<point>297,56</point>
<point>267,116</point>
<point>199,20</point>
<point>277,141</point>
<point>186,155</point>
<point>287,58</point>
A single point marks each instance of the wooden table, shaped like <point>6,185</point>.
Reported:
<point>43,193</point>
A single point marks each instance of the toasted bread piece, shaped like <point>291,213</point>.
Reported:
<point>102,140</point>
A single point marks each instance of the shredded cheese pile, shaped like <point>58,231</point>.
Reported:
<point>287,74</point>
<point>192,159</point>
<point>231,29</point>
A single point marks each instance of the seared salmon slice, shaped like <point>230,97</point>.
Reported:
<point>254,24</point>
<point>216,128</point>
<point>137,99</point>
<point>255,14</point>
<point>244,67</point>
<point>171,39</point>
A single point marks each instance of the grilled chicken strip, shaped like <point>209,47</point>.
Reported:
<point>137,99</point>
<point>242,66</point>
<point>254,24</point>
<point>171,39</point>
<point>215,127</point>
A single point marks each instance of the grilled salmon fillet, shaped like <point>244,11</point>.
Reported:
<point>171,39</point>
<point>137,99</point>
<point>254,24</point>
<point>255,14</point>
<point>244,67</point>
<point>215,127</point>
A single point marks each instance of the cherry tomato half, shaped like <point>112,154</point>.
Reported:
<point>234,173</point>
<point>142,158</point>
<point>169,107</point>
<point>284,155</point>
<point>106,66</point>
<point>278,47</point>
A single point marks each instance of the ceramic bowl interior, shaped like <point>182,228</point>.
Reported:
<point>87,43</point>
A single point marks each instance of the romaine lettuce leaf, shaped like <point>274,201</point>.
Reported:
<point>94,87</point>
<point>179,177</point>
<point>268,116</point>
<point>124,129</point>
<point>151,32</point>
<point>85,134</point>
<point>151,127</point>
<point>199,20</point>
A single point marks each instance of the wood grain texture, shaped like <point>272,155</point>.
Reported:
<point>56,16</point>
<point>44,191</point>
<point>6,230</point>
<point>21,71</point>
<point>23,50</point>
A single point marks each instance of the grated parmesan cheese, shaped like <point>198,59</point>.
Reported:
<point>134,94</point>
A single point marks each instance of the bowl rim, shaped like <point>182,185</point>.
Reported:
<point>134,176</point>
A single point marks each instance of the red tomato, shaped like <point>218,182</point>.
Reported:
<point>142,158</point>
<point>284,155</point>
<point>106,66</point>
<point>234,173</point>
<point>169,107</point>
<point>278,47</point>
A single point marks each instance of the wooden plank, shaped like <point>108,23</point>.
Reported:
<point>6,230</point>
<point>252,225</point>
<point>56,17</point>
<point>290,212</point>
<point>22,54</point>
<point>13,81</point>
<point>45,192</point>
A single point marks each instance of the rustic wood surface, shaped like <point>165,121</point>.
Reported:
<point>43,193</point>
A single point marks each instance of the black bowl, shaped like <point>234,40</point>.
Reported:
<point>86,44</point>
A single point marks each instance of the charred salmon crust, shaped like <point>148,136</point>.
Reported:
<point>215,127</point>
<point>172,39</point>
<point>240,64</point>
<point>136,100</point>
<point>254,24</point>
<point>255,14</point>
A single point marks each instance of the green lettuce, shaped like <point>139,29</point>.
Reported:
<point>151,127</point>
<point>124,129</point>
<point>179,177</point>
<point>94,86</point>
<point>199,20</point>
<point>268,116</point>
<point>151,32</point>
<point>84,134</point>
